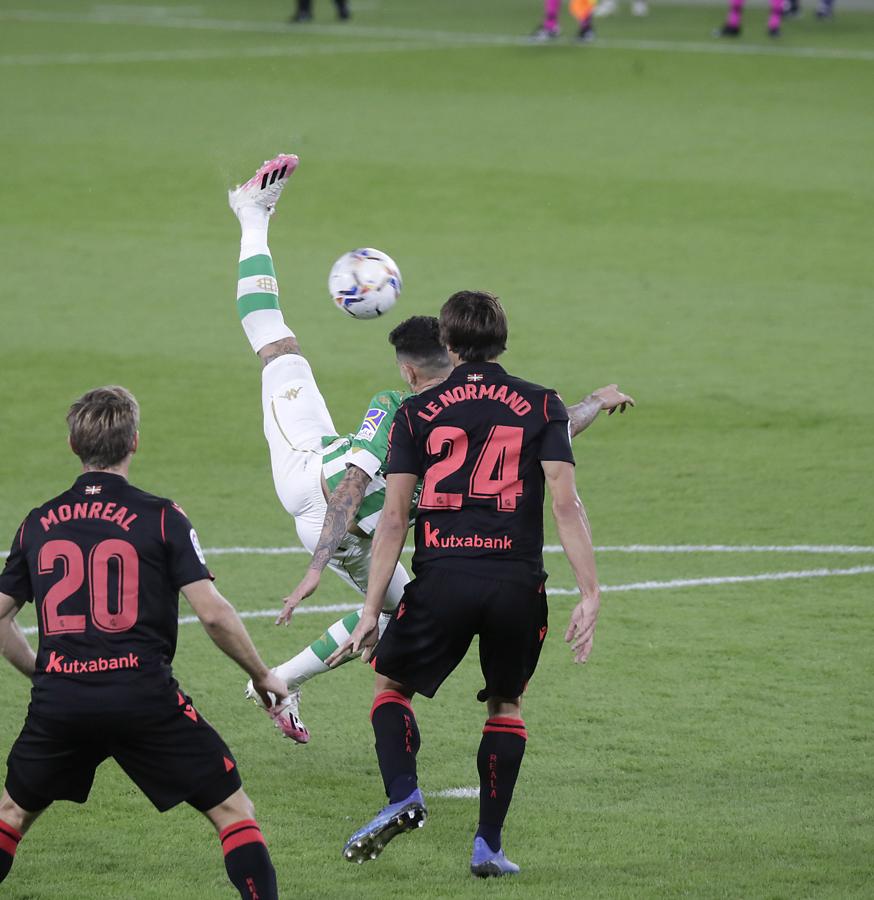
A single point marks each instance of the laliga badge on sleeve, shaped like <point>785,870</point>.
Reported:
<point>370,425</point>
<point>197,548</point>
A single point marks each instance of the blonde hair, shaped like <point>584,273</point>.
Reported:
<point>103,426</point>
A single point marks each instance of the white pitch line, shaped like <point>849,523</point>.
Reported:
<point>727,579</point>
<point>566,592</point>
<point>462,793</point>
<point>728,548</point>
<point>434,39</point>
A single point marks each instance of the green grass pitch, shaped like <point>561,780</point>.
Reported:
<point>689,219</point>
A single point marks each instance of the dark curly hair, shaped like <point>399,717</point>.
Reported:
<point>417,340</point>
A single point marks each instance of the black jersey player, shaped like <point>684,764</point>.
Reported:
<point>483,443</point>
<point>104,563</point>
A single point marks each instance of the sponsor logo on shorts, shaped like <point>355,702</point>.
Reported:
<point>434,540</point>
<point>291,393</point>
<point>371,424</point>
<point>58,664</point>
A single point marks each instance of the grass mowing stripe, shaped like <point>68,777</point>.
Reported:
<point>206,55</point>
<point>433,39</point>
<point>567,592</point>
<point>846,549</point>
<point>260,613</point>
<point>612,548</point>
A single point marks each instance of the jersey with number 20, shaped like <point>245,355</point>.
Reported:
<point>103,562</point>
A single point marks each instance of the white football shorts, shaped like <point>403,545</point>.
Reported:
<point>296,419</point>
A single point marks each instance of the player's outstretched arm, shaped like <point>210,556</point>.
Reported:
<point>388,541</point>
<point>585,412</point>
<point>576,538</point>
<point>228,633</point>
<point>13,643</point>
<point>343,504</point>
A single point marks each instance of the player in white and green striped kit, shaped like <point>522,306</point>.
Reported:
<point>333,486</point>
<point>307,456</point>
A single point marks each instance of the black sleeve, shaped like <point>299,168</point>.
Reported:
<point>184,555</point>
<point>15,579</point>
<point>556,443</point>
<point>403,454</point>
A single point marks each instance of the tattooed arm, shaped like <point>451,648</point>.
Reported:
<point>585,412</point>
<point>342,506</point>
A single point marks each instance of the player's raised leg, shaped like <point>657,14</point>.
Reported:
<point>253,203</point>
<point>295,415</point>
<point>247,860</point>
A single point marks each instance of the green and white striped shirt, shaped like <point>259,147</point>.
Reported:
<point>367,449</point>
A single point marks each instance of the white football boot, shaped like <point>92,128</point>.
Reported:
<point>262,190</point>
<point>284,716</point>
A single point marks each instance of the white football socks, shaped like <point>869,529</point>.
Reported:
<point>257,289</point>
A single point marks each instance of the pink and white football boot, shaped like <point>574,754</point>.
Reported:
<point>285,715</point>
<point>262,190</point>
<point>285,718</point>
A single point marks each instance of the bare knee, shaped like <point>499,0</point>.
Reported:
<point>16,816</point>
<point>503,706</point>
<point>383,684</point>
<point>236,808</point>
<point>275,349</point>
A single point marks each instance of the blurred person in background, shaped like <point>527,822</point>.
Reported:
<point>304,11</point>
<point>732,26</point>
<point>608,7</point>
<point>824,8</point>
<point>581,10</point>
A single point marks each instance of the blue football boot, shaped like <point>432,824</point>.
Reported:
<point>369,841</point>
<point>488,863</point>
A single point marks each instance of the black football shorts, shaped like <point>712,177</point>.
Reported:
<point>165,746</point>
<point>439,615</point>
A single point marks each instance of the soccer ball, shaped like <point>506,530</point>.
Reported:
<point>365,283</point>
